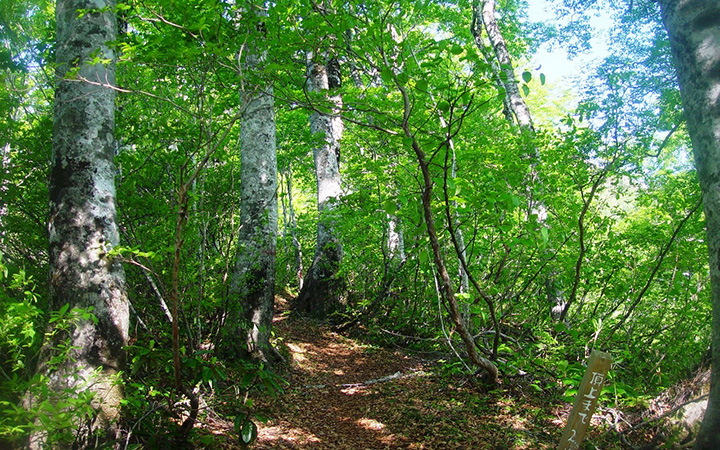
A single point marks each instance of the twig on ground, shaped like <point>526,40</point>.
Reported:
<point>395,376</point>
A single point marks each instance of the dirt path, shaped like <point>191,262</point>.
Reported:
<point>327,404</point>
<point>342,394</point>
<point>340,397</point>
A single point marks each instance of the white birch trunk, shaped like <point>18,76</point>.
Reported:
<point>83,223</point>
<point>395,240</point>
<point>693,27</point>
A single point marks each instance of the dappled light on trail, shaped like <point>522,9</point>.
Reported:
<point>344,394</point>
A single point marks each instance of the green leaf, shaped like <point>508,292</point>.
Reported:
<point>542,79</point>
<point>503,348</point>
<point>443,106</point>
<point>238,423</point>
<point>248,433</point>
<point>247,379</point>
<point>423,256</point>
<point>207,374</point>
<point>526,90</point>
<point>526,76</point>
<point>421,85</point>
<point>387,75</point>
<point>403,78</point>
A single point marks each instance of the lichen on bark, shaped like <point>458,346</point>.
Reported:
<point>82,227</point>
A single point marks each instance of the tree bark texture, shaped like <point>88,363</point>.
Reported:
<point>322,291</point>
<point>395,241</point>
<point>83,221</point>
<point>254,276</point>
<point>693,28</point>
<point>486,11</point>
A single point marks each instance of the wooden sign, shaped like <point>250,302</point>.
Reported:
<point>586,400</point>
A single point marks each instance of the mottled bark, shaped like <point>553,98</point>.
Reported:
<point>83,224</point>
<point>395,241</point>
<point>254,276</point>
<point>485,10</point>
<point>4,183</point>
<point>323,289</point>
<point>693,27</point>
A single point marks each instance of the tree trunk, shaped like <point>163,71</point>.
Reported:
<point>83,224</point>
<point>446,284</point>
<point>446,287</point>
<point>693,28</point>
<point>254,276</point>
<point>485,10</point>
<point>395,241</point>
<point>517,111</point>
<point>322,291</point>
<point>290,227</point>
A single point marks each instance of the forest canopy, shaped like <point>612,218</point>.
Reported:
<point>173,171</point>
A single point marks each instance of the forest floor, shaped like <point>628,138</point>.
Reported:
<point>342,393</point>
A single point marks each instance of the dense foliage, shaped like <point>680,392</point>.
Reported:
<point>598,206</point>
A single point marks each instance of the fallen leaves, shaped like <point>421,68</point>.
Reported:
<point>343,394</point>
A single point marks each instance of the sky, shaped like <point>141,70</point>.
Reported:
<point>554,62</point>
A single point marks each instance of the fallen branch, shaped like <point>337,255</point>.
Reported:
<point>395,376</point>
<point>405,336</point>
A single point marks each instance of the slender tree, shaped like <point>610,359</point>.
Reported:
<point>83,228</point>
<point>484,12</point>
<point>254,276</point>
<point>693,28</point>
<point>517,112</point>
<point>290,227</point>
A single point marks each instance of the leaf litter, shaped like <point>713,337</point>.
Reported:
<point>346,394</point>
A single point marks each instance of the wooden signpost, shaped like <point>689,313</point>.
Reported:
<point>586,401</point>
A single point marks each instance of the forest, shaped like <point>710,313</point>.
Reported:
<point>358,224</point>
